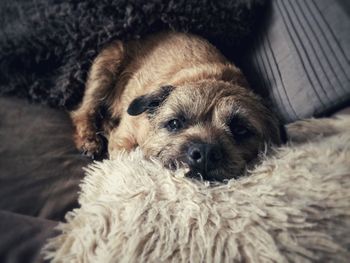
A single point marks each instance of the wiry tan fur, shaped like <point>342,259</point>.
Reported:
<point>294,207</point>
<point>209,90</point>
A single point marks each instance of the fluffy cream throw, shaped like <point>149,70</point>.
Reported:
<point>294,206</point>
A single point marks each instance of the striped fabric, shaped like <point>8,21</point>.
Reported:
<point>301,57</point>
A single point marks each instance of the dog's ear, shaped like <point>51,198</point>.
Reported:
<point>149,102</point>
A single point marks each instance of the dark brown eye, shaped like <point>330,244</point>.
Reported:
<point>174,125</point>
<point>239,129</point>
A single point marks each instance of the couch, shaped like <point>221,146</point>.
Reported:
<point>299,59</point>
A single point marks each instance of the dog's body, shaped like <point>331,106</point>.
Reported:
<point>180,100</point>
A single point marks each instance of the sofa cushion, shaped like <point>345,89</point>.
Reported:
<point>40,169</point>
<point>22,237</point>
<point>301,57</point>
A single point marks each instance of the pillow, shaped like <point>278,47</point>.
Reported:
<point>40,169</point>
<point>22,237</point>
<point>294,207</point>
<point>300,59</point>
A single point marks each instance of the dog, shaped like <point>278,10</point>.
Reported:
<point>180,100</point>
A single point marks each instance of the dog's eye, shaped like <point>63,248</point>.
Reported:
<point>239,130</point>
<point>174,125</point>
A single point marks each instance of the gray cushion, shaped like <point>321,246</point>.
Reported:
<point>40,169</point>
<point>301,57</point>
<point>22,237</point>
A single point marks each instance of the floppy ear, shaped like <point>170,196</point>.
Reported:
<point>149,102</point>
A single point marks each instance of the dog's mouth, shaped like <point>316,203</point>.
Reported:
<point>192,173</point>
<point>202,176</point>
<point>195,174</point>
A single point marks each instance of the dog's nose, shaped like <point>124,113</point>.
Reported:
<point>203,156</point>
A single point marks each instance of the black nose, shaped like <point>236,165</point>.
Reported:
<point>203,156</point>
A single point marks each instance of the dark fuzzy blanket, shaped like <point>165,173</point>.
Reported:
<point>47,46</point>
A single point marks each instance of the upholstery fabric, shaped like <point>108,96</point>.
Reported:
<point>22,237</point>
<point>40,169</point>
<point>300,58</point>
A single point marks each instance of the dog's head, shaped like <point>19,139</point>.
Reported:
<point>213,128</point>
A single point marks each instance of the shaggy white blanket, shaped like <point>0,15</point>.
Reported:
<point>293,207</point>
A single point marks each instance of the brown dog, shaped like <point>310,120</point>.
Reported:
<point>177,98</point>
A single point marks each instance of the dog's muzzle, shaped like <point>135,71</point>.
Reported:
<point>203,158</point>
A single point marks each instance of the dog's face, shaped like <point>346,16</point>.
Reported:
<point>213,128</point>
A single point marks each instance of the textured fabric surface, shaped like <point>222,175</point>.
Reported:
<point>40,169</point>
<point>300,59</point>
<point>294,207</point>
<point>47,46</point>
<point>22,237</point>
